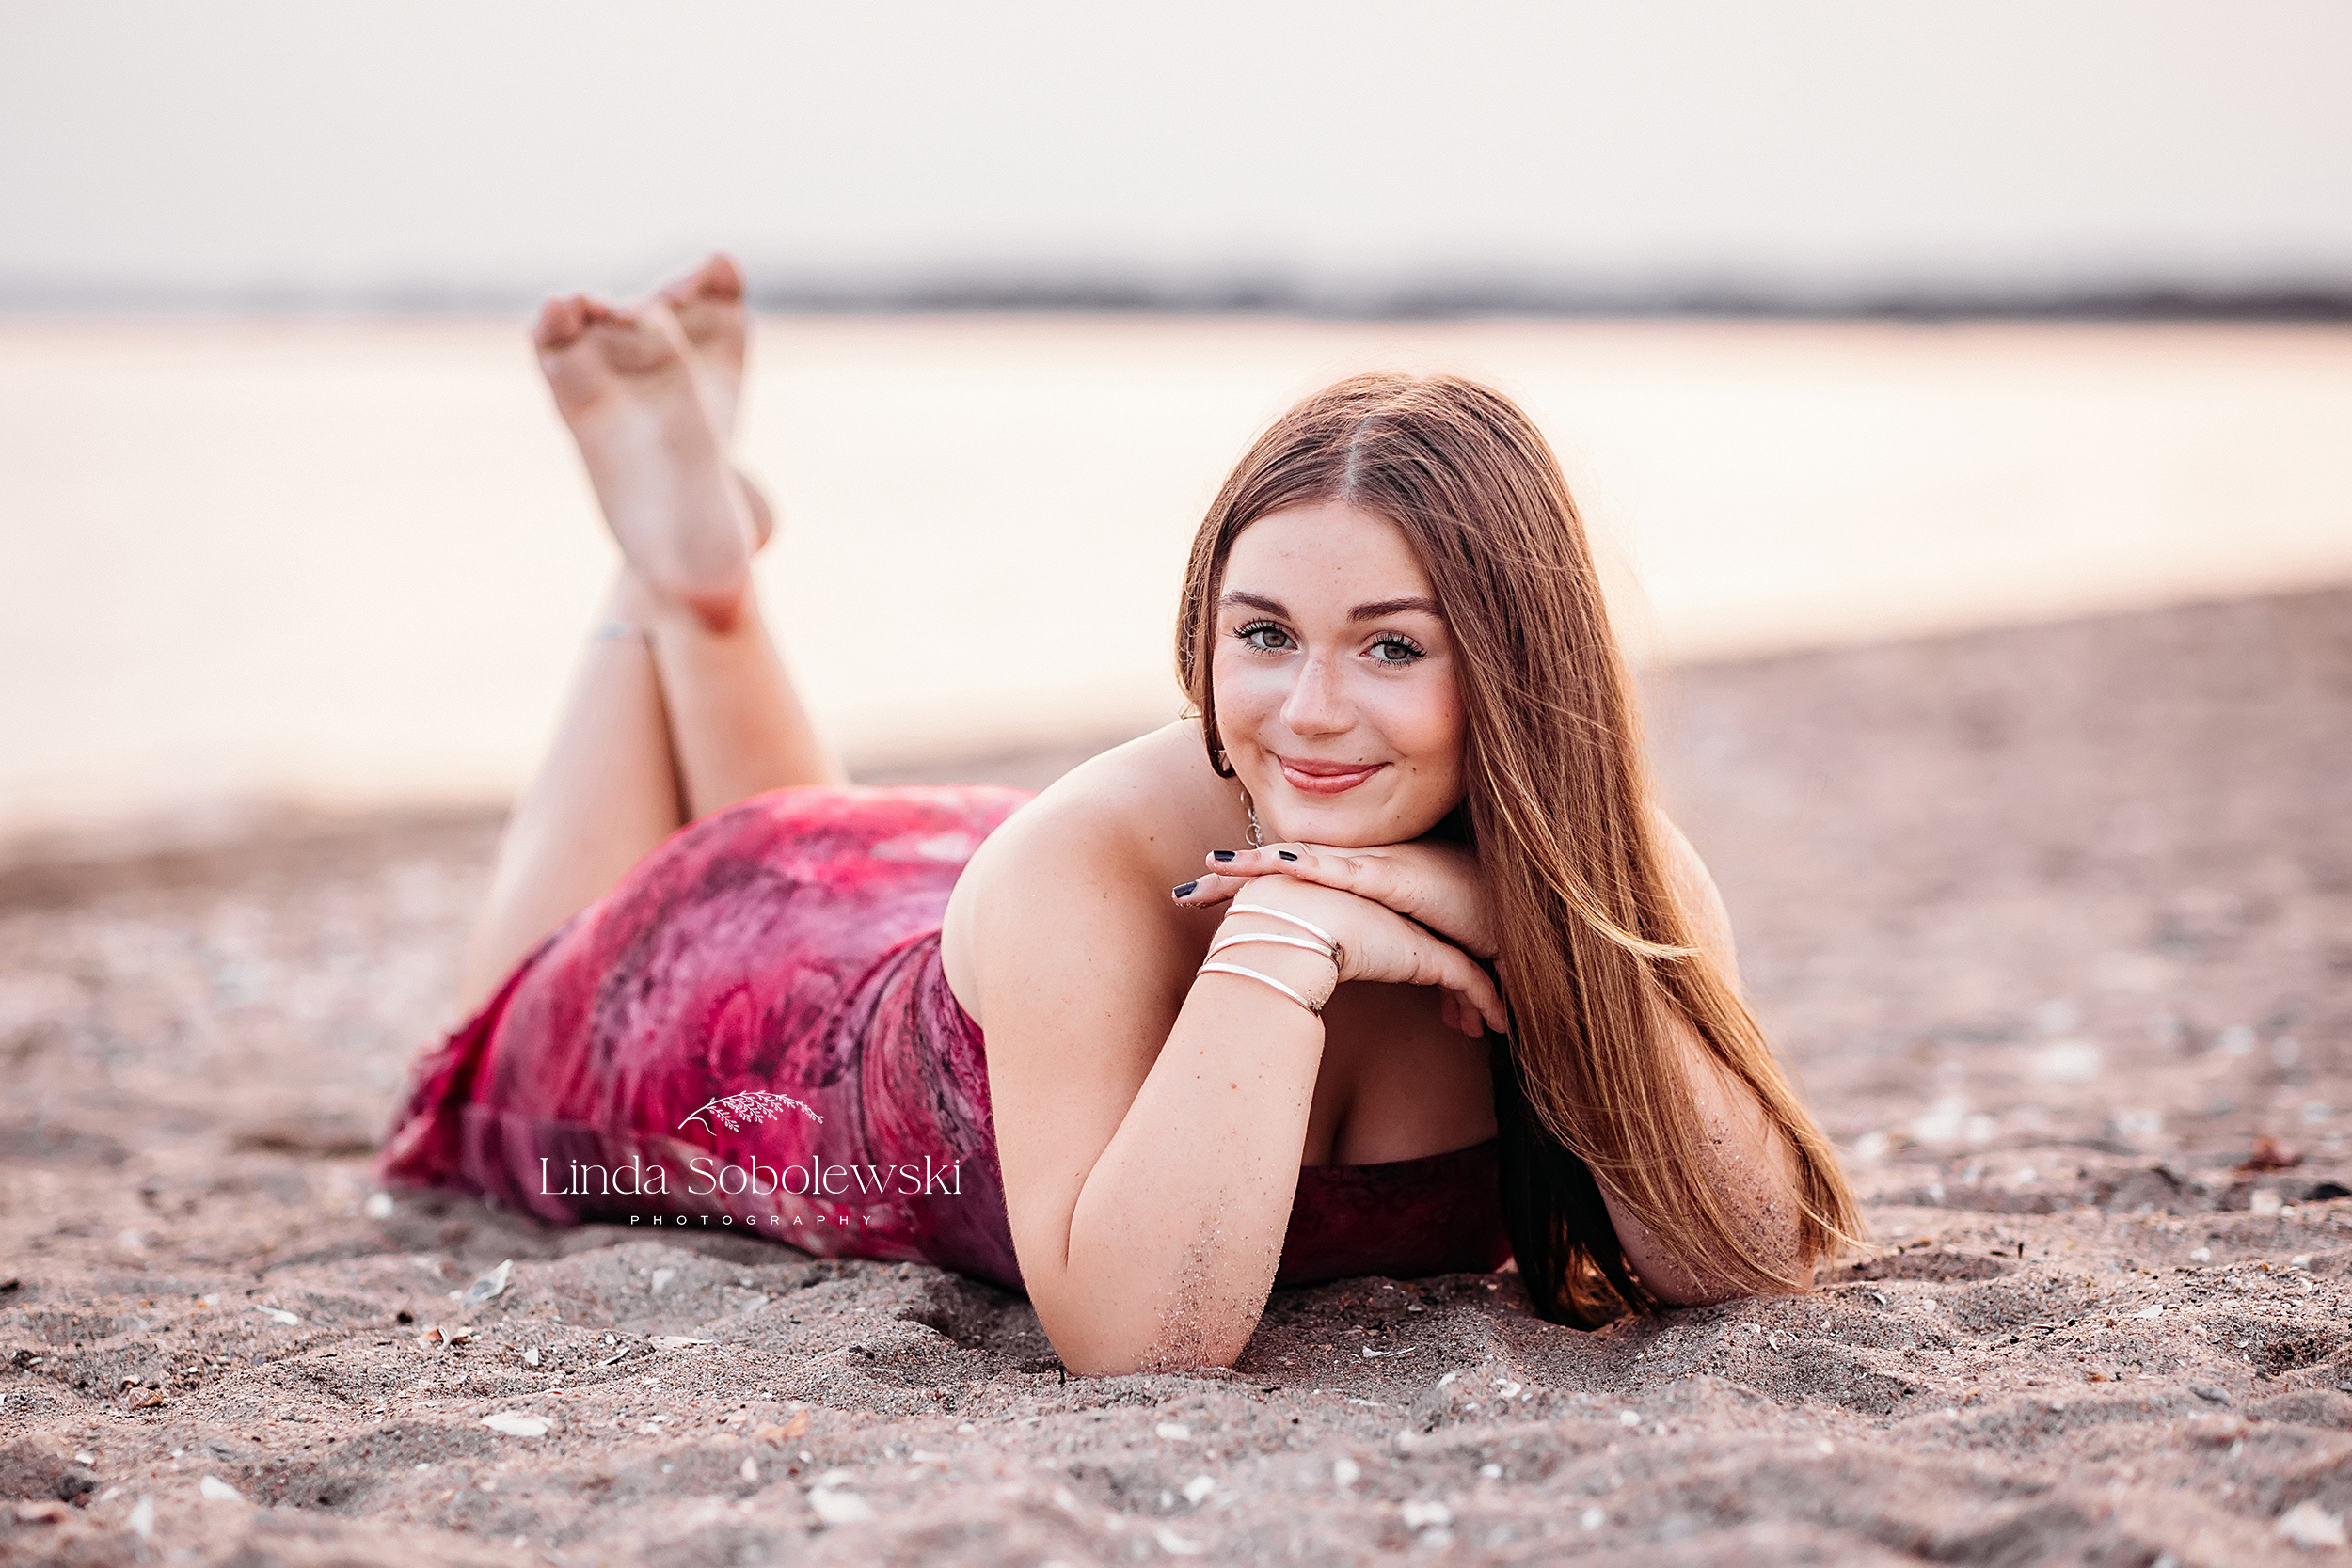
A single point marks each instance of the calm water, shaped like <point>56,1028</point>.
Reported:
<point>350,563</point>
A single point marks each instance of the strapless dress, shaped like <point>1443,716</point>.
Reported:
<point>751,1032</point>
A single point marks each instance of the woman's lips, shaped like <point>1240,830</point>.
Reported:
<point>1326,778</point>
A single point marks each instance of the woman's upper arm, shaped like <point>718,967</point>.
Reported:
<point>1702,904</point>
<point>1074,979</point>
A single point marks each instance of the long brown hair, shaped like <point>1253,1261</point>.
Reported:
<point>1592,938</point>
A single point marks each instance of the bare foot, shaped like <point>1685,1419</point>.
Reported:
<point>709,305</point>
<point>624,380</point>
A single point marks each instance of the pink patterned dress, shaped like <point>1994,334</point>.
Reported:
<point>751,1032</point>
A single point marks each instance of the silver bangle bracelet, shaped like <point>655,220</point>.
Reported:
<point>1307,925</point>
<point>1243,939</point>
<point>1262,980</point>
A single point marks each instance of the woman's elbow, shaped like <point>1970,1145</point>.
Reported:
<point>1173,1340</point>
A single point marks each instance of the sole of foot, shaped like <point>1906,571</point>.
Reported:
<point>624,380</point>
<point>709,305</point>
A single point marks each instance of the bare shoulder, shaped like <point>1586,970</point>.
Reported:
<point>1694,889</point>
<point>1063,943</point>
<point>1115,796</point>
<point>1095,852</point>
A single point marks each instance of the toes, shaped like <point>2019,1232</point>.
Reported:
<point>560,320</point>
<point>719,281</point>
<point>601,313</point>
<point>721,277</point>
<point>568,318</point>
<point>763,515</point>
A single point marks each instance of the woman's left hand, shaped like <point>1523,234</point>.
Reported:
<point>1436,884</point>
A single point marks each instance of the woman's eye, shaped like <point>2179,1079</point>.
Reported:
<point>1394,650</point>
<point>1265,637</point>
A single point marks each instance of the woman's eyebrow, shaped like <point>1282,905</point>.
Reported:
<point>1380,608</point>
<point>1376,611</point>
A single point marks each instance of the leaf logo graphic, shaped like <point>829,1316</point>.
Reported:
<point>732,1111</point>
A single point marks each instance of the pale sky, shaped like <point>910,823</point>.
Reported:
<point>438,151</point>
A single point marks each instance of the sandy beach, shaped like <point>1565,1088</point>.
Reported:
<point>2052,921</point>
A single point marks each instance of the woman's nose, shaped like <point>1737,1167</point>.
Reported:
<point>1315,705</point>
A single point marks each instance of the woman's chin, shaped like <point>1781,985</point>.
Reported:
<point>1345,826</point>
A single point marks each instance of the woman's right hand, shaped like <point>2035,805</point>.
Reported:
<point>1376,945</point>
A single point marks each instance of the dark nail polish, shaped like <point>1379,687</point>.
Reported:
<point>1184,891</point>
<point>1220,854</point>
<point>1285,854</point>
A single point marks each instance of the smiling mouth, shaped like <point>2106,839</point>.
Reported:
<point>1326,778</point>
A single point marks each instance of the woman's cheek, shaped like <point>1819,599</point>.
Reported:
<point>1244,698</point>
<point>1423,720</point>
<point>1246,690</point>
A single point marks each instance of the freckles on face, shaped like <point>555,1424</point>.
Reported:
<point>1338,695</point>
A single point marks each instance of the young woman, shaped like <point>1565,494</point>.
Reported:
<point>1382,962</point>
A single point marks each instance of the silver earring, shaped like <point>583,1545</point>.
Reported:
<point>1257,834</point>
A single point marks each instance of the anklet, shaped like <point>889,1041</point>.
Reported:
<point>1264,980</point>
<point>621,631</point>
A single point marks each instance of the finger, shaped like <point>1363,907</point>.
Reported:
<point>1408,884</point>
<point>1373,877</point>
<point>1456,1014</point>
<point>1449,966</point>
<point>1207,893</point>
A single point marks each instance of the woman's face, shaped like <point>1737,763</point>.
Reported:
<point>1338,698</point>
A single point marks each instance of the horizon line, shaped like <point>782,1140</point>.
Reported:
<point>2119,301</point>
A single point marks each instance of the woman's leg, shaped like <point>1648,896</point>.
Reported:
<point>683,704</point>
<point>605,794</point>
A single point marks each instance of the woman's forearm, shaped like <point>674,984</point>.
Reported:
<point>1178,1230</point>
<point>1754,1172</point>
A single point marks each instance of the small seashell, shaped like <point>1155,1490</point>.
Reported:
<point>768,1431</point>
<point>2311,1526</point>
<point>214,1489</point>
<point>2214,1431</point>
<point>489,1285</point>
<point>838,1507</point>
<point>514,1423</point>
<point>278,1315</point>
<point>1175,1431</point>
